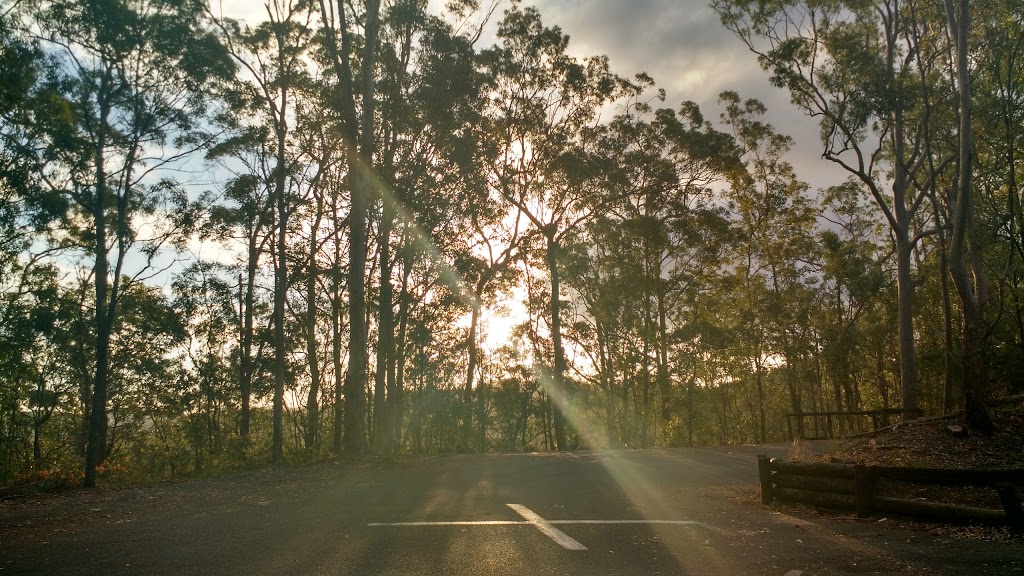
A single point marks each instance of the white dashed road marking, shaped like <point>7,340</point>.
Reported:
<point>676,522</point>
<point>454,523</point>
<point>563,539</point>
<point>547,527</point>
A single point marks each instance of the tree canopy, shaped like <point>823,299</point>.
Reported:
<point>351,227</point>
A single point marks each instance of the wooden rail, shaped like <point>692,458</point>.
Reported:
<point>824,423</point>
<point>855,487</point>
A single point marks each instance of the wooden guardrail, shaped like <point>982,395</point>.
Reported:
<point>824,425</point>
<point>856,487</point>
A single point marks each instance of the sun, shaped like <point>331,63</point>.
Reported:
<point>497,324</point>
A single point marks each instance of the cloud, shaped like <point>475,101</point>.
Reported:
<point>684,47</point>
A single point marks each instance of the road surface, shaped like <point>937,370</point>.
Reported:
<point>677,511</point>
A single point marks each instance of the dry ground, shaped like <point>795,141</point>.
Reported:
<point>931,443</point>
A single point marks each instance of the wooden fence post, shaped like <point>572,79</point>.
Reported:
<point>764,472</point>
<point>1011,504</point>
<point>864,484</point>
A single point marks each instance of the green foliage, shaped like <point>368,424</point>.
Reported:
<point>705,291</point>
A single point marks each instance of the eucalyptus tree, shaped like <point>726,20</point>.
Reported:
<point>134,75</point>
<point>319,175</point>
<point>35,381</point>
<point>998,99</point>
<point>246,217</point>
<point>999,106</point>
<point>543,103</point>
<point>150,335</point>
<point>775,224</point>
<point>852,282</point>
<point>486,269</point>
<point>402,161</point>
<point>667,163</point>
<point>36,137</point>
<point>429,183</point>
<point>204,302</point>
<point>855,66</point>
<point>483,234</point>
<point>600,279</point>
<point>705,242</point>
<point>516,398</point>
<point>628,268</point>
<point>271,59</point>
<point>344,50</point>
<point>321,178</point>
<point>965,246</point>
<point>34,128</point>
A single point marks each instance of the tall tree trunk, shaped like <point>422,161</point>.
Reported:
<point>558,391</point>
<point>604,366</point>
<point>385,336</point>
<point>647,333</point>
<point>664,385</point>
<point>336,427</point>
<point>645,362</point>
<point>762,419</point>
<point>968,279</point>
<point>690,382</point>
<point>245,364</point>
<point>905,308</point>
<point>948,362</point>
<point>359,140</point>
<point>355,383</point>
<point>313,398</point>
<point>467,390</point>
<point>394,398</point>
<point>280,283</point>
<point>361,165</point>
<point>97,439</point>
<point>398,365</point>
<point>901,229</point>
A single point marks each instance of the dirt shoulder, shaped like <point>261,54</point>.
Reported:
<point>940,443</point>
<point>937,443</point>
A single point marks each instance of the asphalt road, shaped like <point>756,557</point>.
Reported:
<point>680,511</point>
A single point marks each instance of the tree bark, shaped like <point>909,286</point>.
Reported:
<point>245,364</point>
<point>905,308</point>
<point>558,392</point>
<point>336,430</point>
<point>664,385</point>
<point>313,398</point>
<point>398,364</point>
<point>359,142</point>
<point>95,452</point>
<point>969,280</point>
<point>385,337</point>
<point>467,391</point>
<point>355,383</point>
<point>280,281</point>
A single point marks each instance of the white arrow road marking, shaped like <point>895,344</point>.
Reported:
<point>794,573</point>
<point>563,539</point>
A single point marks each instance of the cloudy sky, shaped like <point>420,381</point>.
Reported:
<point>683,46</point>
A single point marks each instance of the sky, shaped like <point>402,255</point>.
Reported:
<point>684,47</point>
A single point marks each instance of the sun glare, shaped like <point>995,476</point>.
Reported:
<point>496,324</point>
